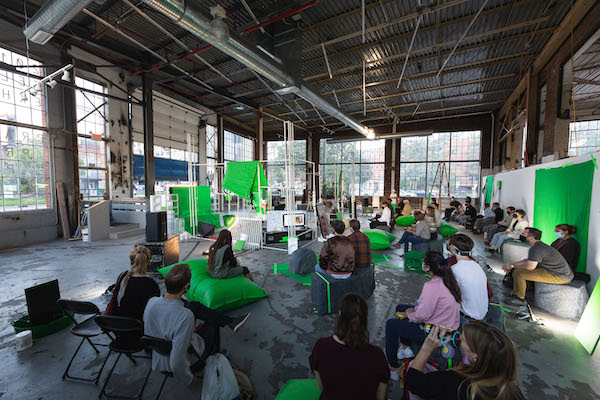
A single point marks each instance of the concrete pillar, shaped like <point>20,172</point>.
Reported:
<point>532,117</point>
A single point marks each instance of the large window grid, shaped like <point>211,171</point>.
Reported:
<point>92,131</point>
<point>237,148</point>
<point>24,152</point>
<point>369,159</point>
<point>276,170</point>
<point>420,161</point>
<point>584,137</point>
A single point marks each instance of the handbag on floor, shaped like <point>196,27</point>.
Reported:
<point>113,304</point>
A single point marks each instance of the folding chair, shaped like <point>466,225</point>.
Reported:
<point>128,332</point>
<point>85,329</point>
<point>162,347</point>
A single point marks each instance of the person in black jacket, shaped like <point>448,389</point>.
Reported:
<point>481,223</point>
<point>469,214</point>
<point>488,370</point>
<point>569,248</point>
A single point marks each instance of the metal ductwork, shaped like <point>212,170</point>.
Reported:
<point>53,15</point>
<point>233,45</point>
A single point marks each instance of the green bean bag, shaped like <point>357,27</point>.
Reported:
<point>299,389</point>
<point>380,239</point>
<point>228,220</point>
<point>447,230</point>
<point>218,294</point>
<point>405,220</point>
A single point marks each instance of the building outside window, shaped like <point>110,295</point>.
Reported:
<point>92,132</point>
<point>24,152</point>
<point>421,168</point>
<point>584,137</point>
<point>276,168</point>
<point>237,148</point>
<point>369,164</point>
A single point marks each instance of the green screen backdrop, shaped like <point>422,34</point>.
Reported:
<point>241,178</point>
<point>489,188</point>
<point>563,196</point>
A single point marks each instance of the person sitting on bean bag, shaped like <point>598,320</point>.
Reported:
<point>407,209</point>
<point>439,304</point>
<point>222,264</point>
<point>418,234</point>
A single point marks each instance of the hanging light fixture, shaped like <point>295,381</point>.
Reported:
<point>66,75</point>
<point>37,89</point>
<point>23,97</point>
<point>51,83</point>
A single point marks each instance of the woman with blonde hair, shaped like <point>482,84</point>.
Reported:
<point>133,287</point>
<point>488,370</point>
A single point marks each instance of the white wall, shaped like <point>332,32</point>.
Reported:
<point>518,190</point>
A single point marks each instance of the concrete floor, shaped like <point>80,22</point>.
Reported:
<point>271,348</point>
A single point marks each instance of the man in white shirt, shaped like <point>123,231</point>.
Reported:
<point>470,277</point>
<point>384,221</point>
<point>167,318</point>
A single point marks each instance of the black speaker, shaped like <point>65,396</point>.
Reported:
<point>156,226</point>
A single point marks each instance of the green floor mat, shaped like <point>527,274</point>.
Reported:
<point>379,258</point>
<point>285,270</point>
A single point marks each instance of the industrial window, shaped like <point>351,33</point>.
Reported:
<point>584,137</point>
<point>24,152</point>
<point>367,156</point>
<point>276,169</point>
<point>92,132</point>
<point>237,148</point>
<point>421,168</point>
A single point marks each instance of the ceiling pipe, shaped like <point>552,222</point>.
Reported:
<point>233,45</point>
<point>53,15</point>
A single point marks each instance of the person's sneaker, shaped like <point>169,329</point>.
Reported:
<point>238,322</point>
<point>461,227</point>
<point>405,352</point>
<point>394,374</point>
<point>518,302</point>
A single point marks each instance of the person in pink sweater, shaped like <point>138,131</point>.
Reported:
<point>438,304</point>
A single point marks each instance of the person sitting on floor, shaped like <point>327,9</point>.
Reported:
<point>488,369</point>
<point>490,230</point>
<point>454,208</point>
<point>337,254</point>
<point>438,214</point>
<point>490,216</point>
<point>543,264</point>
<point>468,215</point>
<point>134,287</point>
<point>222,264</point>
<point>514,231</point>
<point>417,234</point>
<point>407,209</point>
<point>439,304</point>
<point>471,279</point>
<point>346,365</point>
<point>384,221</point>
<point>431,220</point>
<point>361,244</point>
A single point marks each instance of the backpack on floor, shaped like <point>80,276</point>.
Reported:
<point>219,381</point>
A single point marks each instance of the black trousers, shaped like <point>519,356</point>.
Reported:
<point>213,321</point>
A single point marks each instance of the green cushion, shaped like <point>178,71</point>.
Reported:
<point>299,389</point>
<point>380,239</point>
<point>228,220</point>
<point>447,230</point>
<point>218,294</point>
<point>406,220</point>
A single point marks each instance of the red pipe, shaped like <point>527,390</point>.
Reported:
<point>245,32</point>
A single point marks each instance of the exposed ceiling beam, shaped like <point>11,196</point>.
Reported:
<point>427,48</point>
<point>561,33</point>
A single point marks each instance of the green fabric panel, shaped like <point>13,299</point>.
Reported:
<point>489,186</point>
<point>379,239</point>
<point>239,245</point>
<point>588,328</point>
<point>241,178</point>
<point>285,270</point>
<point>201,196</point>
<point>218,294</point>
<point>406,220</point>
<point>210,219</point>
<point>299,389</point>
<point>203,199</point>
<point>184,204</point>
<point>563,196</point>
<point>447,230</point>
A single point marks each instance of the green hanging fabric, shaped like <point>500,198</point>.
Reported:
<point>563,196</point>
<point>489,188</point>
<point>242,178</point>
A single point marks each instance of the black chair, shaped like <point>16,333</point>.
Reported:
<point>85,329</point>
<point>162,347</point>
<point>128,332</point>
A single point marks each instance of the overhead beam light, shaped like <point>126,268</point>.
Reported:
<point>53,15</point>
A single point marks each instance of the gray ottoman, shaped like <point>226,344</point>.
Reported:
<point>327,291</point>
<point>303,261</point>
<point>566,301</point>
<point>431,245</point>
<point>513,251</point>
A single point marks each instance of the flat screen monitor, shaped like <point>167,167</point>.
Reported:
<point>297,220</point>
<point>41,303</point>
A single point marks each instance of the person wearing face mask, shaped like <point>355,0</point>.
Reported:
<point>488,370</point>
<point>543,264</point>
<point>566,244</point>
<point>438,304</point>
<point>490,230</point>
<point>471,279</point>
<point>491,216</point>
<point>514,231</point>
